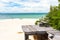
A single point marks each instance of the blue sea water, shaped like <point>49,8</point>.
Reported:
<point>21,15</point>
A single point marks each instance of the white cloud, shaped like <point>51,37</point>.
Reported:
<point>18,6</point>
<point>53,2</point>
<point>2,5</point>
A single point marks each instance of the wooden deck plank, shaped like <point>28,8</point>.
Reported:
<point>35,28</point>
<point>30,28</point>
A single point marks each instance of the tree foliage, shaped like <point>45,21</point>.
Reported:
<point>54,16</point>
<point>59,0</point>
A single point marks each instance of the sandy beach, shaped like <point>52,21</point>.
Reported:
<point>9,28</point>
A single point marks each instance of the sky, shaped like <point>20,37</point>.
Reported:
<point>26,6</point>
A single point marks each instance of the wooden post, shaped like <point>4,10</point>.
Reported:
<point>26,36</point>
<point>44,37</point>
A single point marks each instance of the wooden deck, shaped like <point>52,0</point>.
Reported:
<point>35,28</point>
<point>36,31</point>
<point>30,28</point>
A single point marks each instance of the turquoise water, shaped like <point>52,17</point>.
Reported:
<point>21,15</point>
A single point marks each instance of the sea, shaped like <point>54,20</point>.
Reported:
<point>21,15</point>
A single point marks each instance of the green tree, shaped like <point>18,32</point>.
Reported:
<point>54,16</point>
<point>59,0</point>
